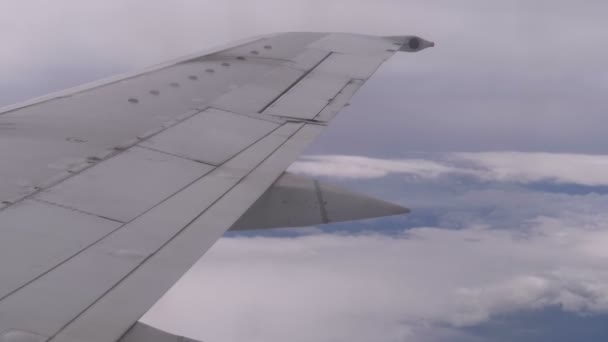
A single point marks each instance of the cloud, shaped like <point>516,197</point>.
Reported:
<point>518,167</point>
<point>364,167</point>
<point>376,287</point>
<point>534,167</point>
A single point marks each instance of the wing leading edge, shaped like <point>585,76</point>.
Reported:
<point>111,192</point>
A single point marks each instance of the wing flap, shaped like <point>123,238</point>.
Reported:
<point>40,236</point>
<point>340,101</point>
<point>308,98</point>
<point>123,187</point>
<point>251,98</point>
<point>145,284</point>
<point>351,66</point>
<point>319,88</point>
<point>308,59</point>
<point>212,136</point>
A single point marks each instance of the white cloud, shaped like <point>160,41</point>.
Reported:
<point>363,167</point>
<point>530,167</point>
<point>521,167</point>
<point>374,287</point>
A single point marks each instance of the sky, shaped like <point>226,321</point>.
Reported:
<point>494,138</point>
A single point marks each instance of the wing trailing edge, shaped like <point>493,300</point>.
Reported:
<point>297,201</point>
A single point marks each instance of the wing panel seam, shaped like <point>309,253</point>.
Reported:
<point>174,236</point>
<point>295,83</point>
<point>76,210</point>
<point>95,160</point>
<point>179,156</point>
<point>119,228</point>
<point>350,82</point>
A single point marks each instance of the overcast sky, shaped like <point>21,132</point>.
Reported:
<point>495,139</point>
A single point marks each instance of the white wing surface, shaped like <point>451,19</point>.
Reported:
<point>110,192</point>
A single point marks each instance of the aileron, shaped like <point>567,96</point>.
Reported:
<point>309,96</point>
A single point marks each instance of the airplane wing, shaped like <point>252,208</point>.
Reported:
<point>111,191</point>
